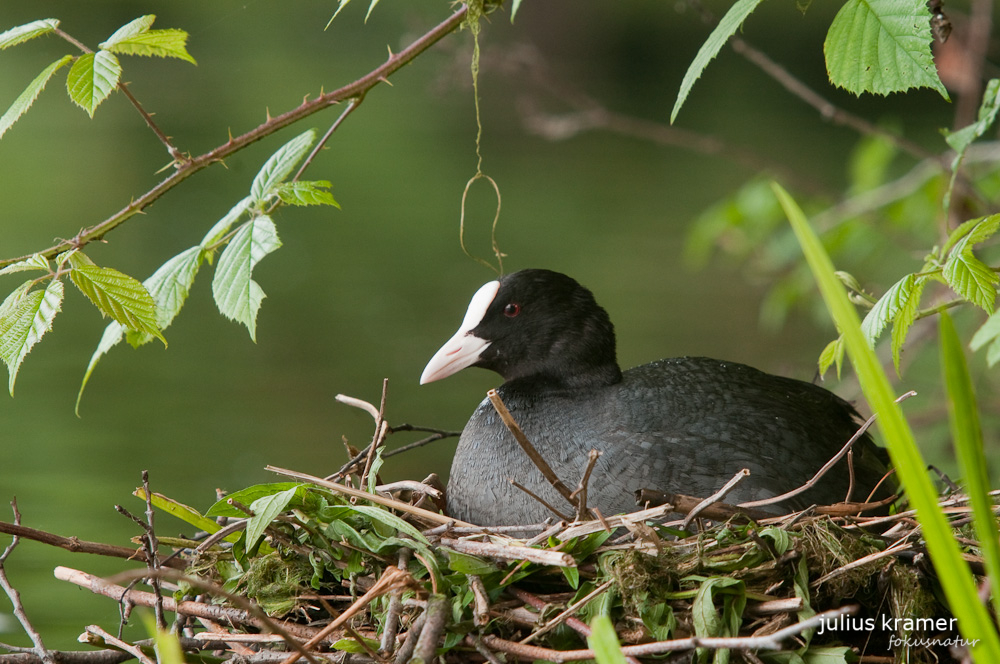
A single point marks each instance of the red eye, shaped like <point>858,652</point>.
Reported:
<point>512,310</point>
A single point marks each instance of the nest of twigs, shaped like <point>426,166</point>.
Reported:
<point>324,571</point>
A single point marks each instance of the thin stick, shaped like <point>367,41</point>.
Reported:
<point>715,497</point>
<point>569,611</point>
<point>118,643</point>
<point>529,449</point>
<point>76,545</point>
<point>545,503</point>
<point>427,515</point>
<point>581,488</point>
<point>15,597</point>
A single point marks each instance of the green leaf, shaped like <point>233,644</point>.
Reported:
<point>832,353</point>
<point>971,278</point>
<point>249,495</point>
<point>881,46</point>
<point>265,510</point>
<point>170,43</point>
<point>729,24</point>
<point>222,226</point>
<point>390,519</point>
<point>24,318</point>
<point>23,33</point>
<point>988,333</point>
<point>886,309</point>
<point>956,580</point>
<point>113,334</point>
<point>30,94</point>
<point>184,513</point>
<point>169,287</point>
<point>36,262</point>
<point>469,565</point>
<point>237,295</point>
<point>280,165</point>
<point>92,78</point>
<point>968,436</point>
<point>604,642</point>
<point>905,318</point>
<point>306,192</point>
<point>961,139</point>
<point>116,295</point>
<point>355,647</point>
<point>131,29</point>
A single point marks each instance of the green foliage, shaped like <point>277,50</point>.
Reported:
<point>729,24</point>
<point>237,295</point>
<point>30,94</point>
<point>961,139</point>
<point>604,641</point>
<point>881,46</point>
<point>968,436</point>
<point>25,316</point>
<point>94,75</point>
<point>956,579</point>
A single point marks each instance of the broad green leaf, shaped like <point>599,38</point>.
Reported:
<point>881,46</point>
<point>169,287</point>
<point>116,295</point>
<point>971,278</point>
<point>30,94</point>
<point>280,165</point>
<point>131,29</point>
<point>36,262</point>
<point>353,646</point>
<point>25,316</point>
<point>265,510</point>
<point>92,78</point>
<point>222,226</point>
<point>390,519</point>
<point>469,565</point>
<point>184,513</point>
<point>968,436</point>
<point>729,24</point>
<point>604,642</point>
<point>249,495</point>
<point>886,309</point>
<point>306,192</point>
<point>904,319</point>
<point>23,33</point>
<point>170,43</point>
<point>957,581</point>
<point>988,333</point>
<point>236,294</point>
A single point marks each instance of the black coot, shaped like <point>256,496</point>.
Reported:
<point>682,425</point>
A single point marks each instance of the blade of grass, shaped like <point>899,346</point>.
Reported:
<point>956,579</point>
<point>968,436</point>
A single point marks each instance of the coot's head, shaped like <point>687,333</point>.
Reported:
<point>538,327</point>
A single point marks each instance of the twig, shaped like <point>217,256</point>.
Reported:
<point>765,642</point>
<point>76,545</point>
<point>581,488</point>
<point>273,124</point>
<point>352,106</point>
<point>381,427</point>
<point>511,552</point>
<point>152,548</point>
<point>562,516</point>
<point>15,597</point>
<point>715,497</point>
<point>569,611</point>
<point>828,465</point>
<point>118,643</point>
<point>405,652</point>
<point>392,612</point>
<point>426,515</point>
<point>529,449</point>
<point>438,608</point>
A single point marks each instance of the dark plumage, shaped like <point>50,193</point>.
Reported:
<point>681,425</point>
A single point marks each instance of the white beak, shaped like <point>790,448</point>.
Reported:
<point>464,348</point>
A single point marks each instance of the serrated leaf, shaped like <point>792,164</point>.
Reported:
<point>169,287</point>
<point>280,165</point>
<point>909,306</point>
<point>961,139</point>
<point>25,316</point>
<point>886,309</point>
<point>236,294</point>
<point>30,94</point>
<point>832,353</point>
<point>23,33</point>
<point>36,262</point>
<point>131,29</point>
<point>116,295</point>
<point>92,78</point>
<point>970,277</point>
<point>222,226</point>
<point>881,46</point>
<point>988,332</point>
<point>169,43</point>
<point>729,24</point>
<point>306,192</point>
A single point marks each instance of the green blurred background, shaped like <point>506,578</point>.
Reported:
<point>371,291</point>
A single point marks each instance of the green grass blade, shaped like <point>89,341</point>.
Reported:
<point>956,578</point>
<point>968,437</point>
<point>604,642</point>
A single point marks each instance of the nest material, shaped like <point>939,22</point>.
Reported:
<point>344,579</point>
